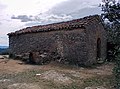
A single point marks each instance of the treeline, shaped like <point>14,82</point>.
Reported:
<point>4,51</point>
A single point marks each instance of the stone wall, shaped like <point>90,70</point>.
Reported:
<point>95,31</point>
<point>69,45</point>
<point>76,46</point>
<point>32,42</point>
<point>74,43</point>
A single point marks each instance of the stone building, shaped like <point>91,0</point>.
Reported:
<point>80,41</point>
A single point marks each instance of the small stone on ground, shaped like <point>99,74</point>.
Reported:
<point>99,87</point>
<point>1,57</point>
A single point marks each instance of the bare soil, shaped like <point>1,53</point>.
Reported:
<point>15,74</point>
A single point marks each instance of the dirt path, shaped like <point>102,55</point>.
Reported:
<point>10,66</point>
<point>14,73</point>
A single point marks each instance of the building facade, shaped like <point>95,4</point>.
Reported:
<point>81,41</point>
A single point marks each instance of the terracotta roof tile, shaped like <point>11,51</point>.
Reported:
<point>68,25</point>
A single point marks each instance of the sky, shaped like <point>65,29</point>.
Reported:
<point>18,14</point>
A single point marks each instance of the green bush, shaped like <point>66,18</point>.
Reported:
<point>111,9</point>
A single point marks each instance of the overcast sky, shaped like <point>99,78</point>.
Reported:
<point>17,14</point>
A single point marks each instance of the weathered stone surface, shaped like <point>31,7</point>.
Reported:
<point>1,57</point>
<point>99,87</point>
<point>23,86</point>
<point>64,42</point>
<point>56,77</point>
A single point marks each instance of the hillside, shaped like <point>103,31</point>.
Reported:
<point>3,49</point>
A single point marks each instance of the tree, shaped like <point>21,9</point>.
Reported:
<point>111,10</point>
<point>111,15</point>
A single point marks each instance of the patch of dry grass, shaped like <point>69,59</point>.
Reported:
<point>55,76</point>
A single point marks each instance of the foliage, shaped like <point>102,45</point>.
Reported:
<point>111,9</point>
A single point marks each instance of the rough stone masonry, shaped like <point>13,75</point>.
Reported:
<point>80,41</point>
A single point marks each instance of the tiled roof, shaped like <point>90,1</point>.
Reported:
<point>68,25</point>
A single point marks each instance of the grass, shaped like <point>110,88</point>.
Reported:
<point>29,76</point>
<point>107,81</point>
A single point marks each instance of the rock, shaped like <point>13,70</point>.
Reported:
<point>38,74</point>
<point>23,86</point>
<point>88,88</point>
<point>99,87</point>
<point>56,77</point>
<point>38,58</point>
<point>5,80</point>
<point>1,57</point>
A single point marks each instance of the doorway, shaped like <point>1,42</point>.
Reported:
<point>98,48</point>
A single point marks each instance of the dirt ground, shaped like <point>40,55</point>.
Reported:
<point>15,74</point>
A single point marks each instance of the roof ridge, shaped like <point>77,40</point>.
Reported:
<point>66,25</point>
